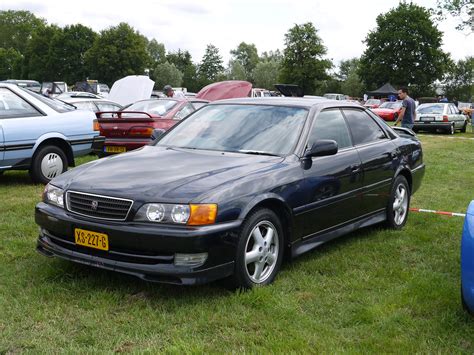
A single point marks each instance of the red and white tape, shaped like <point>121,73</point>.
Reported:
<point>451,214</point>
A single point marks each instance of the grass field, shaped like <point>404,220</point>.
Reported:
<point>371,291</point>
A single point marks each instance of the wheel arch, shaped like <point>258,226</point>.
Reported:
<point>405,172</point>
<point>276,204</point>
<point>57,140</point>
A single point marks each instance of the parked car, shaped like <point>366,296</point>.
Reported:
<point>231,189</point>
<point>134,126</point>
<point>91,103</point>
<point>467,261</point>
<point>389,111</point>
<point>93,86</point>
<point>443,116</point>
<point>54,88</point>
<point>32,85</point>
<point>373,103</point>
<point>40,134</point>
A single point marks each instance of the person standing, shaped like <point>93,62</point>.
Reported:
<point>169,92</point>
<point>407,113</point>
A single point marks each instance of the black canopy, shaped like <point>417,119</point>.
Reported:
<point>385,90</point>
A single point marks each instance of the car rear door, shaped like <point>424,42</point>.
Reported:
<point>331,183</point>
<point>19,128</point>
<point>378,155</point>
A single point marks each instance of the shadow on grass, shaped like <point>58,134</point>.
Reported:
<point>12,178</point>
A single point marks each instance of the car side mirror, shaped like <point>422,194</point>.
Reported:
<point>322,148</point>
<point>157,133</point>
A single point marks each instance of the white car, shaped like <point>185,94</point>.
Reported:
<point>40,134</point>
<point>439,116</point>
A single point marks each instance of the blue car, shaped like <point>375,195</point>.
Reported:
<point>467,261</point>
<point>40,134</point>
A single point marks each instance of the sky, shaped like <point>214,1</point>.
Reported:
<point>191,24</point>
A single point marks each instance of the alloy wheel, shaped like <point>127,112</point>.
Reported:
<point>261,252</point>
<point>400,204</point>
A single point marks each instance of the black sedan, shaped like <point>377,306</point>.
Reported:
<point>232,189</point>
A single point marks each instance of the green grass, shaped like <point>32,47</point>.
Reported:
<point>374,291</point>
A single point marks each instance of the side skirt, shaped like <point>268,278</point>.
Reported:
<point>314,240</point>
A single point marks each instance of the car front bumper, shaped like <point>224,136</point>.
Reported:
<point>140,249</point>
<point>467,259</point>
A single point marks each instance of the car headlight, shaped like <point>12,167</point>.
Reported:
<point>53,195</point>
<point>193,215</point>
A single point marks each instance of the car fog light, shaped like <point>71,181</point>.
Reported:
<point>190,259</point>
<point>155,212</point>
<point>180,214</point>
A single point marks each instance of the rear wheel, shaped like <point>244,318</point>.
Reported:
<point>397,209</point>
<point>259,251</point>
<point>463,129</point>
<point>450,130</point>
<point>48,162</point>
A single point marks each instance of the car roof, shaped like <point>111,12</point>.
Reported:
<point>288,101</point>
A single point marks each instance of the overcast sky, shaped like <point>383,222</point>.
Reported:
<point>191,24</point>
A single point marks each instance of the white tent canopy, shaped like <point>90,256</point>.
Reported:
<point>131,89</point>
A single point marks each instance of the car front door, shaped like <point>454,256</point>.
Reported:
<point>331,182</point>
<point>378,155</point>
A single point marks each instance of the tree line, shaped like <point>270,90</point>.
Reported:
<point>404,49</point>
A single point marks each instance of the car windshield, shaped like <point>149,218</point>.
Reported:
<point>55,104</point>
<point>391,105</point>
<point>436,109</point>
<point>250,129</point>
<point>372,102</point>
<point>154,107</point>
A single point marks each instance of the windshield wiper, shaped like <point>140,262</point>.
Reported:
<point>256,152</point>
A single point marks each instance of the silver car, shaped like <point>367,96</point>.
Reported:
<point>443,116</point>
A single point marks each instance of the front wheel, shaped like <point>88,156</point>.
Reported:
<point>259,251</point>
<point>48,162</point>
<point>397,209</point>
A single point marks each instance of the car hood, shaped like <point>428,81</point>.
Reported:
<point>230,89</point>
<point>131,89</point>
<point>162,174</point>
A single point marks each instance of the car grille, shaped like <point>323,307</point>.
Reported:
<point>97,206</point>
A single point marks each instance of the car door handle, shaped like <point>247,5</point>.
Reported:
<point>355,169</point>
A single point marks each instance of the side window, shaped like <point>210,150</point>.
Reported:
<point>12,105</point>
<point>186,110</point>
<point>363,127</point>
<point>330,124</point>
<point>454,111</point>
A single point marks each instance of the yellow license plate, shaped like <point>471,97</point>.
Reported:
<point>112,149</point>
<point>91,239</point>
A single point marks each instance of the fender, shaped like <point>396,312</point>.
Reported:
<point>49,135</point>
<point>266,196</point>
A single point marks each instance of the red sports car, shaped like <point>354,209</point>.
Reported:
<point>134,126</point>
<point>389,111</point>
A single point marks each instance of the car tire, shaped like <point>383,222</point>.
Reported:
<point>395,116</point>
<point>399,203</point>
<point>259,254</point>
<point>463,129</point>
<point>450,130</point>
<point>48,162</point>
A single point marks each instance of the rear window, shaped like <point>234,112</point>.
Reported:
<point>431,109</point>
<point>153,107</point>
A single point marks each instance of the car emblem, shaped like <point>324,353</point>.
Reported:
<point>94,205</point>
<point>116,127</point>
